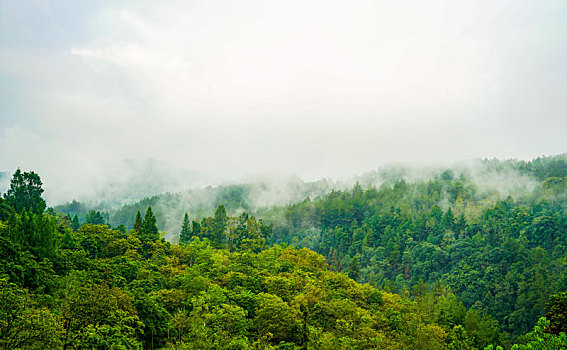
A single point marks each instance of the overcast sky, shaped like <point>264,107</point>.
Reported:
<point>315,88</point>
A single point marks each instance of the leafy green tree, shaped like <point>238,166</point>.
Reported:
<point>25,192</point>
<point>275,317</point>
<point>94,217</point>
<point>540,339</point>
<point>34,232</point>
<point>459,339</point>
<point>154,317</point>
<point>557,313</point>
<point>95,314</point>
<point>5,210</point>
<point>23,324</point>
<point>121,228</point>
<point>249,234</point>
<point>180,325</point>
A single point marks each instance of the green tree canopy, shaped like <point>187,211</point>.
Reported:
<point>557,314</point>
<point>219,227</point>
<point>138,222</point>
<point>94,217</point>
<point>149,228</point>
<point>185,234</point>
<point>25,192</point>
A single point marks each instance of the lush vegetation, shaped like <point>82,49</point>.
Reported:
<point>501,256</point>
<point>437,263</point>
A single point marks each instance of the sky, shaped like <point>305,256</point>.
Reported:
<point>313,88</point>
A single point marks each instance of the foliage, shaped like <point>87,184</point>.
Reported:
<point>94,217</point>
<point>432,264</point>
<point>501,256</point>
<point>149,230</point>
<point>539,339</point>
<point>557,313</point>
<point>25,192</point>
<point>23,323</point>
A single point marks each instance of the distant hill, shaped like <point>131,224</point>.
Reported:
<point>149,182</point>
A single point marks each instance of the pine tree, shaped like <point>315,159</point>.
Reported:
<point>219,226</point>
<point>25,192</point>
<point>138,222</point>
<point>94,217</point>
<point>185,234</point>
<point>149,228</point>
<point>354,268</point>
<point>196,228</point>
<point>75,223</point>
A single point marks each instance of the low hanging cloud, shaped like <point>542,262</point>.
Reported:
<point>317,89</point>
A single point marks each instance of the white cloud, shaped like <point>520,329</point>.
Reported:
<point>318,88</point>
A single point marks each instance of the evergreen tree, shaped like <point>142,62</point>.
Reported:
<point>185,234</point>
<point>94,217</point>
<point>354,268</point>
<point>25,192</point>
<point>138,222</point>
<point>75,223</point>
<point>219,227</point>
<point>196,228</point>
<point>149,229</point>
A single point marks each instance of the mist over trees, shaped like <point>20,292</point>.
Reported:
<point>497,179</point>
<point>443,259</point>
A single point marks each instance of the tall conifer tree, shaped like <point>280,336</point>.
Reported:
<point>185,230</point>
<point>219,227</point>
<point>138,222</point>
<point>25,192</point>
<point>149,228</point>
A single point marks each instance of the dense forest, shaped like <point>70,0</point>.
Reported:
<point>501,256</point>
<point>445,261</point>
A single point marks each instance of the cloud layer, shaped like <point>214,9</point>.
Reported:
<point>318,88</point>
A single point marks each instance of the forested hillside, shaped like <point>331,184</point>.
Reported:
<point>503,256</point>
<point>439,262</point>
<point>97,288</point>
<point>257,194</point>
<point>170,207</point>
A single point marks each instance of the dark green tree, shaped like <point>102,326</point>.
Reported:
<point>557,314</point>
<point>219,227</point>
<point>354,268</point>
<point>34,232</point>
<point>25,192</point>
<point>149,228</point>
<point>94,217</point>
<point>196,228</point>
<point>23,325</point>
<point>138,222</point>
<point>5,210</point>
<point>185,234</point>
<point>75,224</point>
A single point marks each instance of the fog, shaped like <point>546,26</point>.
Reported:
<point>492,181</point>
<point>207,92</point>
